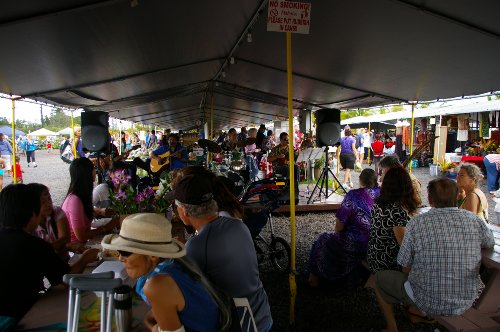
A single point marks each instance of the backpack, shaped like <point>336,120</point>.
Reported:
<point>66,152</point>
<point>359,141</point>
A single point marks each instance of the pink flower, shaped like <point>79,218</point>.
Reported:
<point>121,195</point>
<point>120,177</point>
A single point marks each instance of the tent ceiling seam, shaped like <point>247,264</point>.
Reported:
<point>324,81</point>
<point>116,79</point>
<point>449,18</point>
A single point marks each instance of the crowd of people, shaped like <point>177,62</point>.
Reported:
<point>189,281</point>
<point>408,252</point>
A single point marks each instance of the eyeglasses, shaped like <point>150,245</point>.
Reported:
<point>124,253</point>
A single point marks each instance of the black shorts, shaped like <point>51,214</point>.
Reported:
<point>347,160</point>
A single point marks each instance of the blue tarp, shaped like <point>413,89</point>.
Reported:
<point>6,130</point>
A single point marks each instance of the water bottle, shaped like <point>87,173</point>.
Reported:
<point>123,308</point>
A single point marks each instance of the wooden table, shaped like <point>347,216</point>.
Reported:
<point>490,298</point>
<point>50,312</point>
<point>484,316</point>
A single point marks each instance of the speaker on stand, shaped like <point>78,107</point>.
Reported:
<point>95,131</point>
<point>327,134</point>
<point>95,136</point>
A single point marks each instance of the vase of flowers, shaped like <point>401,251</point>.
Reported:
<point>125,201</point>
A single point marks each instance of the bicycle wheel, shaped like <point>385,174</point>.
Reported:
<point>261,256</point>
<point>280,253</point>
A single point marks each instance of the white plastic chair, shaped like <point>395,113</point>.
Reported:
<point>247,321</point>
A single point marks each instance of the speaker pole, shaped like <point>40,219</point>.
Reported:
<point>322,182</point>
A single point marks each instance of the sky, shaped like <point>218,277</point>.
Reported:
<point>28,111</point>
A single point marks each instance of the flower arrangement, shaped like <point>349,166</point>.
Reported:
<point>125,201</point>
<point>489,146</point>
<point>446,166</point>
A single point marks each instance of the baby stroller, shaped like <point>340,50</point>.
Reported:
<point>260,198</point>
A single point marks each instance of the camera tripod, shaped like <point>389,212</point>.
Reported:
<point>322,182</point>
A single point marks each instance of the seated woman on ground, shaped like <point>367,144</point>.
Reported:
<point>27,258</point>
<point>78,204</point>
<point>53,225</point>
<point>473,199</point>
<point>389,215</point>
<point>334,256</point>
<point>180,296</point>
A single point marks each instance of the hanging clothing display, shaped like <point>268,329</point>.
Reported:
<point>406,135</point>
<point>484,125</point>
<point>463,127</point>
<point>462,135</point>
<point>463,121</point>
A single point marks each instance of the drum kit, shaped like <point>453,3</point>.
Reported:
<point>230,164</point>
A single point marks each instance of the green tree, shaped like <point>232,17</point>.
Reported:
<point>396,108</point>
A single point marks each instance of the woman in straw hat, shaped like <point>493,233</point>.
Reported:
<point>182,299</point>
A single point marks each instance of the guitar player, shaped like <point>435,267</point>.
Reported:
<point>178,155</point>
<point>278,156</point>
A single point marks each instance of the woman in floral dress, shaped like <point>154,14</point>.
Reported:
<point>335,255</point>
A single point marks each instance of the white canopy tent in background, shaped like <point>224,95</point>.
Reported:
<point>43,132</point>
<point>65,131</point>
<point>462,108</point>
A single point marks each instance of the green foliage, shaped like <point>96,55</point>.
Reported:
<point>354,113</point>
<point>59,120</point>
<point>56,121</point>
<point>396,108</point>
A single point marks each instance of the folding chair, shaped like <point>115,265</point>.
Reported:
<point>96,282</point>
<point>247,321</point>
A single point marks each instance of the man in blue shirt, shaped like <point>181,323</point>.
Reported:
<point>178,157</point>
<point>6,153</point>
<point>223,248</point>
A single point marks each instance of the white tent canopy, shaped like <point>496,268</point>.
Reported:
<point>65,131</point>
<point>462,108</point>
<point>43,132</point>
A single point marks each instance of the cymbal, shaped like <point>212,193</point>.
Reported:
<point>248,141</point>
<point>211,146</point>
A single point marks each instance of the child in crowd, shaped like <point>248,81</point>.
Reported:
<point>19,171</point>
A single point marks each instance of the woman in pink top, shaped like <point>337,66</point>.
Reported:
<point>78,204</point>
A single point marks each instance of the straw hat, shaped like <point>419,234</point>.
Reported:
<point>146,234</point>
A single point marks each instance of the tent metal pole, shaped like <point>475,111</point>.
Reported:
<point>14,145</point>
<point>293,285</point>
<point>412,133</point>
<point>368,158</point>
<point>211,124</point>
<point>73,135</point>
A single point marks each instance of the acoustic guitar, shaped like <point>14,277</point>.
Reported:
<point>164,162</point>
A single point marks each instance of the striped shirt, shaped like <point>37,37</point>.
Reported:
<point>494,158</point>
<point>443,249</point>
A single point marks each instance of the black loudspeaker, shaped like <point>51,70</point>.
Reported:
<point>327,126</point>
<point>95,131</point>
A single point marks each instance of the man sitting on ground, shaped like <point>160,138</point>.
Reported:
<point>444,276</point>
<point>223,248</point>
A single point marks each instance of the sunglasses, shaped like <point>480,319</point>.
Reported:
<point>124,253</point>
